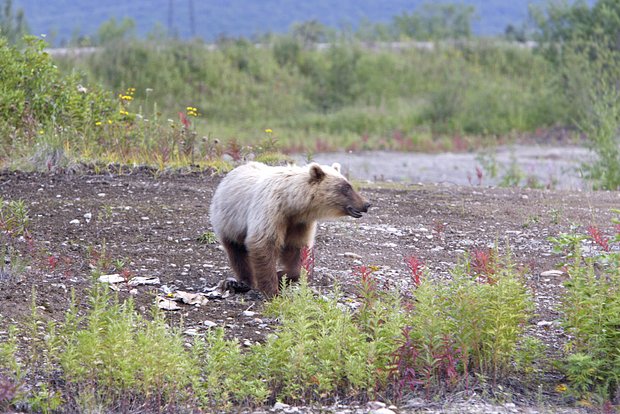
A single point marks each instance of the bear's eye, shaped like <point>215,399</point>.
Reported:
<point>346,188</point>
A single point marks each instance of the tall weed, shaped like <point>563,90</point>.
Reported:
<point>321,349</point>
<point>591,316</point>
<point>468,326</point>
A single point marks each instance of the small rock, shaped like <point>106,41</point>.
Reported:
<point>381,411</point>
<point>248,313</point>
<point>87,217</point>
<point>75,221</point>
<point>113,278</point>
<point>280,406</point>
<point>552,273</point>
<point>209,324</point>
<point>544,323</point>
<point>142,280</point>
<point>197,299</point>
<point>511,407</point>
<point>101,195</point>
<point>375,405</point>
<point>351,255</point>
<point>167,304</point>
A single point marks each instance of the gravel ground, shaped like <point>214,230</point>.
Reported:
<point>153,223</point>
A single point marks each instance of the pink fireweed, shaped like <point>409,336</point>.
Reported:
<point>416,267</point>
<point>599,238</point>
<point>307,260</point>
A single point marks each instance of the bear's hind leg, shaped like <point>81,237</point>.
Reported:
<point>238,257</point>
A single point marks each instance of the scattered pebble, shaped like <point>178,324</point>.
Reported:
<point>552,273</point>
<point>209,324</point>
<point>112,278</point>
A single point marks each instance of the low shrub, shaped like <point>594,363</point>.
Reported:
<point>325,347</point>
<point>469,326</point>
<point>591,316</point>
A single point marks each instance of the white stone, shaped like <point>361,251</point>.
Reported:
<point>113,278</point>
<point>375,405</point>
<point>280,406</point>
<point>552,273</point>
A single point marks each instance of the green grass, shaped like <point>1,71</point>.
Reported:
<point>333,98</point>
<point>108,356</point>
<point>128,104</point>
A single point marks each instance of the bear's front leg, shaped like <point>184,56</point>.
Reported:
<point>290,257</point>
<point>263,261</point>
<point>238,258</point>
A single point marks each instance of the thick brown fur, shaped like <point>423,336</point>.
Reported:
<point>265,215</point>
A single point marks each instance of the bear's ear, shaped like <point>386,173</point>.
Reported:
<point>336,166</point>
<point>316,172</point>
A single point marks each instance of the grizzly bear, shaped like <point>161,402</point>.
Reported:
<point>263,214</point>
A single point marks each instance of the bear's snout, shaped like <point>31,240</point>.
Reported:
<point>356,211</point>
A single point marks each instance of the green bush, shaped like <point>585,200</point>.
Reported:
<point>602,128</point>
<point>485,88</point>
<point>116,355</point>
<point>35,97</point>
<point>591,316</point>
<point>468,326</point>
<point>111,358</point>
<point>322,349</point>
<point>227,376</point>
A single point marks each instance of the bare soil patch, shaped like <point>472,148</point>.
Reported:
<point>153,224</point>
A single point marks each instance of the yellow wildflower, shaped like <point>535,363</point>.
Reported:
<point>98,123</point>
<point>561,388</point>
<point>268,130</point>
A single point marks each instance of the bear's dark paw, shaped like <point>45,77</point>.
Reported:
<point>233,285</point>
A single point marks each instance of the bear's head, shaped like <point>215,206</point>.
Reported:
<point>332,193</point>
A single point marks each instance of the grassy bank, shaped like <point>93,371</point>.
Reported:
<point>347,96</point>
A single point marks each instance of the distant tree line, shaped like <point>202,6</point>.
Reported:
<point>13,24</point>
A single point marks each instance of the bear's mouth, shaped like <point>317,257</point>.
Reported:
<point>353,212</point>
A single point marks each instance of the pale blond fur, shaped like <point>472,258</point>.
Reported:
<point>262,213</point>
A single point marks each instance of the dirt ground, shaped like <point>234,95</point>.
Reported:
<point>153,224</point>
